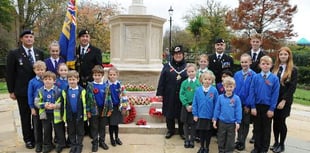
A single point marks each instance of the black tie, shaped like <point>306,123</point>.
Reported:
<point>218,57</point>
<point>254,56</point>
<point>280,72</point>
<point>265,76</point>
<point>244,76</point>
<point>82,52</point>
<point>56,63</point>
<point>30,58</point>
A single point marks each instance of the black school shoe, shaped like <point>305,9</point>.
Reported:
<point>274,146</point>
<point>29,145</point>
<point>113,143</point>
<point>118,141</point>
<point>103,145</point>
<point>94,148</point>
<point>191,144</point>
<point>38,148</point>
<point>186,144</point>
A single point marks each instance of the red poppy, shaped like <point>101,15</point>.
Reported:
<point>232,100</point>
<point>189,88</point>
<point>171,69</point>
<point>88,50</point>
<point>211,95</point>
<point>267,82</point>
<point>95,90</point>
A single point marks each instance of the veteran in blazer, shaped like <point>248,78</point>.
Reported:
<point>219,61</point>
<point>19,72</point>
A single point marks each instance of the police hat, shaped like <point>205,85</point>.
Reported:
<point>26,32</point>
<point>219,40</point>
<point>82,32</point>
<point>178,49</point>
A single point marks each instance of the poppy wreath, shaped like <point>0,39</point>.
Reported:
<point>154,113</point>
<point>131,115</point>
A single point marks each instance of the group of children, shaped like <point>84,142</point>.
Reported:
<point>57,100</point>
<point>228,105</point>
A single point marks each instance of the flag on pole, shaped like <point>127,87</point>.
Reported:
<point>67,40</point>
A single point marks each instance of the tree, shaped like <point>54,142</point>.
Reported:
<point>6,9</point>
<point>271,18</point>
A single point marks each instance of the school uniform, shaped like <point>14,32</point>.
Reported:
<point>243,83</point>
<point>62,83</point>
<point>256,58</point>
<point>286,93</point>
<point>50,117</point>
<point>33,86</point>
<point>52,64</point>
<point>227,112</point>
<point>263,96</point>
<point>218,65</point>
<point>74,113</point>
<point>187,91</point>
<point>203,106</point>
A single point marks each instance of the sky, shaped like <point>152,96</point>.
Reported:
<point>181,7</point>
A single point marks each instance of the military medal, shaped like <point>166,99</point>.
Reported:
<point>177,72</point>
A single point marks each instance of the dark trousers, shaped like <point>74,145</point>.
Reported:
<point>189,131</point>
<point>279,129</point>
<point>38,129</point>
<point>48,130</point>
<point>76,131</point>
<point>262,128</point>
<point>60,134</point>
<point>244,127</point>
<point>25,117</point>
<point>226,137</point>
<point>97,128</point>
<point>205,137</point>
<point>170,123</point>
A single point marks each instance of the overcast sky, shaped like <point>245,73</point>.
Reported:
<point>160,8</point>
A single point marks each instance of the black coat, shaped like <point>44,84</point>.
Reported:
<point>85,65</point>
<point>218,66</point>
<point>255,64</point>
<point>286,92</point>
<point>20,71</point>
<point>169,87</point>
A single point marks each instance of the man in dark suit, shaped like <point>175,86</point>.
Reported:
<point>219,61</point>
<point>19,72</point>
<point>256,52</point>
<point>87,57</point>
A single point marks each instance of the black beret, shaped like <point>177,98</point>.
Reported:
<point>26,32</point>
<point>178,49</point>
<point>219,40</point>
<point>82,32</point>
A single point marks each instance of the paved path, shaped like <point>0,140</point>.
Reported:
<point>298,140</point>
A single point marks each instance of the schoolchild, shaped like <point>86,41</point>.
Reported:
<point>243,80</point>
<point>62,81</point>
<point>219,86</point>
<point>203,63</point>
<point>187,91</point>
<point>264,92</point>
<point>35,83</point>
<point>228,115</point>
<point>48,101</point>
<point>95,97</point>
<point>114,96</point>
<point>204,101</point>
<point>287,74</point>
<point>54,60</point>
<point>74,113</point>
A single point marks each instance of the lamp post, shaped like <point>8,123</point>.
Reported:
<point>170,14</point>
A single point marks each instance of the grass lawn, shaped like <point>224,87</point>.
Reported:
<point>3,88</point>
<point>302,96</point>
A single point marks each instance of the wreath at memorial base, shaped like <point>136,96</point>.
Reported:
<point>131,115</point>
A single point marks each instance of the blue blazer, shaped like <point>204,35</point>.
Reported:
<point>50,65</point>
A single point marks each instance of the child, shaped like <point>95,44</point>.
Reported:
<point>114,94</point>
<point>228,114</point>
<point>264,92</point>
<point>287,74</point>
<point>203,105</point>
<point>35,83</point>
<point>203,62</point>
<point>187,90</point>
<point>48,101</point>
<point>54,60</point>
<point>219,86</point>
<point>61,81</point>
<point>74,113</point>
<point>95,96</point>
<point>243,80</point>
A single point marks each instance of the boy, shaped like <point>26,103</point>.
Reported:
<point>48,101</point>
<point>243,80</point>
<point>264,92</point>
<point>228,114</point>
<point>187,91</point>
<point>34,84</point>
<point>95,112</point>
<point>74,113</point>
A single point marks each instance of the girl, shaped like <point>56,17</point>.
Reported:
<point>287,74</point>
<point>204,101</point>
<point>203,62</point>
<point>61,81</point>
<point>114,94</point>
<point>54,60</point>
